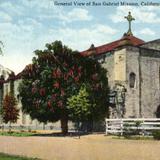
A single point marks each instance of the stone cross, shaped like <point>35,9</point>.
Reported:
<point>130,19</point>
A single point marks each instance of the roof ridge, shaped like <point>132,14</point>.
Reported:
<point>112,45</point>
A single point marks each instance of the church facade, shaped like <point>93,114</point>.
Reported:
<point>133,67</point>
<point>134,76</point>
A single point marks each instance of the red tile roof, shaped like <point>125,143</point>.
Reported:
<point>125,40</point>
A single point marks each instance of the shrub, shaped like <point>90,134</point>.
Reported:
<point>156,135</point>
<point>138,125</point>
<point>127,131</point>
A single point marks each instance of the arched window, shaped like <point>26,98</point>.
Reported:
<point>18,97</point>
<point>158,112</point>
<point>132,80</point>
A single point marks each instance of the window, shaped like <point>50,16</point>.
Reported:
<point>18,97</point>
<point>132,80</point>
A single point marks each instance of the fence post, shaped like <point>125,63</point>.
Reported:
<point>106,127</point>
<point>121,127</point>
<point>142,126</point>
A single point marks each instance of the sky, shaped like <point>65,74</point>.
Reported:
<point>27,25</point>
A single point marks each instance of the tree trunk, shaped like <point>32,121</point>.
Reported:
<point>44,126</point>
<point>64,125</point>
<point>10,127</point>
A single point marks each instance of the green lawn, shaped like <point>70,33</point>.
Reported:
<point>17,134</point>
<point>11,157</point>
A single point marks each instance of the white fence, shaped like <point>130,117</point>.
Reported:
<point>142,125</point>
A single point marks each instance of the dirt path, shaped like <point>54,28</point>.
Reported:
<point>92,147</point>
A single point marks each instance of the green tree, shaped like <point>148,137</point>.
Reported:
<point>56,74</point>
<point>80,105</point>
<point>10,113</point>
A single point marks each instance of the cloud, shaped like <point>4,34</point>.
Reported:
<point>12,8</point>
<point>76,14</point>
<point>147,31</point>
<point>81,39</point>
<point>141,14</point>
<point>29,8</point>
<point>43,10</point>
<point>33,24</point>
<point>4,17</point>
<point>40,4</point>
<point>46,10</point>
<point>19,41</point>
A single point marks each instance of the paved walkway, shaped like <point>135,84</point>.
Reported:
<point>92,147</point>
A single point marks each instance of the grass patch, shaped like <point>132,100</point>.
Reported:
<point>17,134</point>
<point>11,157</point>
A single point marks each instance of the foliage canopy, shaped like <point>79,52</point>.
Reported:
<point>56,74</point>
